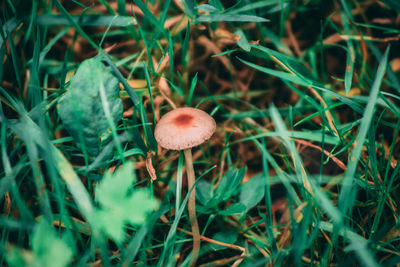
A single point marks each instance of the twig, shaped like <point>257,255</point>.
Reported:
<point>327,153</point>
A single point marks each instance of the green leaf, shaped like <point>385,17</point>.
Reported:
<point>235,209</point>
<point>351,57</point>
<point>227,236</point>
<point>9,26</point>
<point>191,90</point>
<point>149,16</point>
<point>190,8</point>
<point>242,42</point>
<point>301,80</point>
<point>48,250</point>
<point>228,184</point>
<point>252,6</point>
<point>347,195</point>
<point>252,192</point>
<point>86,20</point>
<point>204,192</point>
<point>208,8</point>
<point>229,17</point>
<point>81,108</point>
<point>119,204</point>
<point>393,4</point>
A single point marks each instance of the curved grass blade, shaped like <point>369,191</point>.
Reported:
<point>229,17</point>
<point>348,192</point>
<point>350,58</point>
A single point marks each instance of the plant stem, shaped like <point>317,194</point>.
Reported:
<point>192,206</point>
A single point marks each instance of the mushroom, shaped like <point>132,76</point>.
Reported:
<point>182,129</point>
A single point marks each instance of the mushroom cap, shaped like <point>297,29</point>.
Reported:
<point>184,128</point>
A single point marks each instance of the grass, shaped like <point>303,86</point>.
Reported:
<point>302,170</point>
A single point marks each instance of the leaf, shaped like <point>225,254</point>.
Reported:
<point>253,6</point>
<point>9,26</point>
<point>191,90</point>
<point>393,4</point>
<point>48,250</point>
<point>208,8</point>
<point>204,192</point>
<point>242,42</point>
<point>86,20</point>
<point>228,184</point>
<point>347,195</point>
<point>235,209</point>
<point>81,108</point>
<point>119,204</point>
<point>227,236</point>
<point>229,17</point>
<point>350,59</point>
<point>252,192</point>
<point>149,16</point>
<point>190,8</point>
<point>301,80</point>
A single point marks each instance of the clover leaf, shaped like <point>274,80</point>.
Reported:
<point>121,204</point>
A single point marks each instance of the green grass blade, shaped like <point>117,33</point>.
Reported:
<point>34,96</point>
<point>191,90</point>
<point>350,59</point>
<point>185,45</point>
<point>85,20</point>
<point>285,135</point>
<point>31,21</point>
<point>134,245</point>
<point>9,26</point>
<point>149,16</point>
<point>148,83</point>
<point>348,192</point>
<point>75,24</point>
<point>229,17</point>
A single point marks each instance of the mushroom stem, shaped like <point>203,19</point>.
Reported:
<point>192,206</point>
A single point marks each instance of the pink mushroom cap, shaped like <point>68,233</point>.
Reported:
<point>184,128</point>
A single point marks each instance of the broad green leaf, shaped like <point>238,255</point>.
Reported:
<point>48,250</point>
<point>120,204</point>
<point>204,192</point>
<point>81,108</point>
<point>235,209</point>
<point>228,236</point>
<point>252,192</point>
<point>228,184</point>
